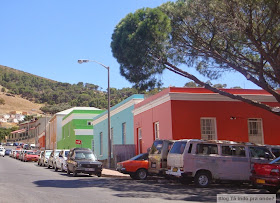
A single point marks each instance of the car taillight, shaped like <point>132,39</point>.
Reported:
<point>275,172</point>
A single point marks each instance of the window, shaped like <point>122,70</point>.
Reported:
<point>206,149</point>
<point>112,139</point>
<point>255,130</point>
<point>123,133</point>
<point>260,152</point>
<point>139,134</point>
<point>156,147</point>
<point>101,143</point>
<point>89,123</point>
<point>233,151</point>
<point>178,147</point>
<point>208,128</point>
<point>156,130</point>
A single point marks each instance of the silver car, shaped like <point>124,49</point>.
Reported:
<point>60,160</point>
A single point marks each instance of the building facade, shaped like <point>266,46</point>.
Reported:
<point>77,125</point>
<point>122,132</point>
<point>182,113</point>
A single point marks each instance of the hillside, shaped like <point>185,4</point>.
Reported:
<point>57,96</point>
<point>16,103</point>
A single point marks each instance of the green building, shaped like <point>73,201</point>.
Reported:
<point>77,126</point>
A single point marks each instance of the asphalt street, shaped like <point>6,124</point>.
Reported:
<point>27,182</point>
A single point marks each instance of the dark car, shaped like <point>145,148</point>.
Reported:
<point>82,160</point>
<point>8,151</point>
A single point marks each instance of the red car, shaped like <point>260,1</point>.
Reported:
<point>267,175</point>
<point>31,156</point>
<point>136,167</point>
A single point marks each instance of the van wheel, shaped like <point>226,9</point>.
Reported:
<point>141,174</point>
<point>202,179</point>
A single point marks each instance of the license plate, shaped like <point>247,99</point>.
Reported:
<point>260,181</point>
<point>153,165</point>
<point>175,169</point>
<point>89,169</point>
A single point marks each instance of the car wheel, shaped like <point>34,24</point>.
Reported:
<point>99,174</point>
<point>272,190</point>
<point>55,167</point>
<point>74,173</point>
<point>68,171</point>
<point>202,179</point>
<point>49,166</point>
<point>133,176</point>
<point>141,174</point>
<point>62,170</point>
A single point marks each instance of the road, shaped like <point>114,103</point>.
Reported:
<point>27,182</point>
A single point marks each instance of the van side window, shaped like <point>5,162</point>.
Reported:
<point>206,149</point>
<point>260,152</point>
<point>233,151</point>
<point>178,147</point>
<point>190,149</point>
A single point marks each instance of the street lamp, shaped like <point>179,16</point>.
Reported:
<point>108,92</point>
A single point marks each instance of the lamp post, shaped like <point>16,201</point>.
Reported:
<point>80,61</point>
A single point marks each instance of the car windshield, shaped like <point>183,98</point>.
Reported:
<point>48,153</point>
<point>261,152</point>
<point>178,147</point>
<point>66,153</point>
<point>275,161</point>
<point>56,153</point>
<point>84,155</point>
<point>140,157</point>
<point>156,147</point>
<point>31,153</point>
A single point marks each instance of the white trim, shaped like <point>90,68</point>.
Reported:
<point>78,116</point>
<point>83,131</point>
<point>215,127</point>
<point>198,97</point>
<point>152,104</point>
<point>117,110</point>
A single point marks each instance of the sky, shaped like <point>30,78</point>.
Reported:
<point>46,38</point>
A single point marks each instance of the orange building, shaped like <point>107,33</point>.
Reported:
<point>182,113</point>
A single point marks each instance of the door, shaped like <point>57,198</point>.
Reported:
<point>139,138</point>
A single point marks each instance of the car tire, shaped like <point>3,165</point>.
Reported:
<point>133,176</point>
<point>272,190</point>
<point>74,173</point>
<point>55,167</point>
<point>202,179</point>
<point>62,170</point>
<point>49,166</point>
<point>98,174</point>
<point>141,174</point>
<point>68,171</point>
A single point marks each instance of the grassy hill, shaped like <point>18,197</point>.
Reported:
<point>57,96</point>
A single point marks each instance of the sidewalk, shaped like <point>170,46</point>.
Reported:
<point>113,173</point>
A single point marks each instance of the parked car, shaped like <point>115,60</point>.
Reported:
<point>267,175</point>
<point>41,158</point>
<point>45,158</point>
<point>203,161</point>
<point>8,151</point>
<point>158,156</point>
<point>52,157</point>
<point>275,149</point>
<point>31,156</point>
<point>15,144</point>
<point>60,160</point>
<point>17,154</point>
<point>2,151</point>
<point>82,160</point>
<point>136,167</point>
<point>9,144</point>
<point>21,154</point>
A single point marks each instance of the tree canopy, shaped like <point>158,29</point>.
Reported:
<point>214,36</point>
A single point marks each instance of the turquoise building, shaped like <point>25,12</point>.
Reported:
<point>122,126</point>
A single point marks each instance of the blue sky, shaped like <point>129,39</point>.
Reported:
<point>46,38</point>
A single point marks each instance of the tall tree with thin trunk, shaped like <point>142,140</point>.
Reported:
<point>215,36</point>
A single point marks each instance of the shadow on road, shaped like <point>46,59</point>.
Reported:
<point>152,188</point>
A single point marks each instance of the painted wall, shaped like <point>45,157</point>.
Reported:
<point>76,127</point>
<point>120,113</point>
<point>179,110</point>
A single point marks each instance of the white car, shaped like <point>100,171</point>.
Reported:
<point>2,151</point>
<point>60,160</point>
